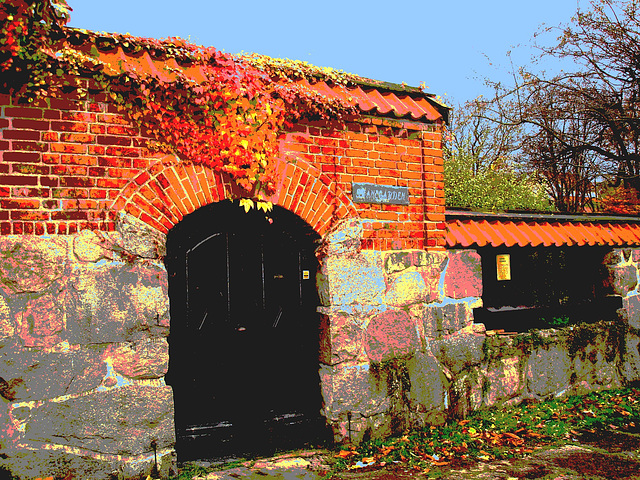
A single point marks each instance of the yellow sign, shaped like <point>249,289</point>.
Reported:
<point>503,266</point>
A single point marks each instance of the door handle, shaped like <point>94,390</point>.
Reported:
<point>277,319</point>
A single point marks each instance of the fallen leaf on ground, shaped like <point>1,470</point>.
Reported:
<point>345,454</point>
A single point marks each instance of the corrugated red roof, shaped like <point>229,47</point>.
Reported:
<point>479,230</point>
<point>373,100</point>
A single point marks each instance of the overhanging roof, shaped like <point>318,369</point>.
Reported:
<point>120,53</point>
<point>476,229</point>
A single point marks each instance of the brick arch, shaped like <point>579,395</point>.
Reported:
<point>311,194</point>
<point>171,189</point>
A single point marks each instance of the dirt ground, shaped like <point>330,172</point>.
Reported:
<point>601,456</point>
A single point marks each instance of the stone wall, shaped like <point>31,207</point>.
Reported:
<point>390,321</point>
<point>400,350</point>
<point>83,348</point>
<point>83,352</point>
<point>622,266</point>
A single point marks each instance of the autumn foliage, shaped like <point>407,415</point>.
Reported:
<point>620,200</point>
<point>229,122</point>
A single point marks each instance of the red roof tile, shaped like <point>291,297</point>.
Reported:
<point>374,100</point>
<point>478,230</point>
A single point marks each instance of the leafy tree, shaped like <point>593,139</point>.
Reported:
<point>480,171</point>
<point>560,161</point>
<point>619,200</point>
<point>582,126</point>
<point>498,188</point>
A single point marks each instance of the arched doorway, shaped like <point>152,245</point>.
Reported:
<point>244,332</point>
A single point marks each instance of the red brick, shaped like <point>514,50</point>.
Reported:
<point>29,215</point>
<point>78,160</point>
<point>62,126</point>
<point>49,181</point>
<point>141,163</point>
<point>98,193</point>
<point>113,140</point>
<point>296,147</point>
<point>114,162</point>
<point>114,119</point>
<point>27,146</point>
<point>408,174</point>
<point>96,149</point>
<point>111,182</point>
<point>125,130</point>
<point>77,137</point>
<point>21,134</point>
<point>30,124</point>
<point>62,104</point>
<point>383,147</point>
<point>50,136</point>
<point>18,180</point>
<point>52,114</point>
<point>122,152</point>
<point>330,168</point>
<point>69,193</point>
<point>68,170</point>
<point>23,112</point>
<point>69,215</point>
<point>68,148</point>
<point>142,178</point>
<point>121,172</point>
<point>30,168</point>
<point>78,204</point>
<point>77,181</point>
<point>95,107</point>
<point>389,157</point>
<point>77,116</point>
<point>19,204</point>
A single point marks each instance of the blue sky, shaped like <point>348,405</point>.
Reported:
<point>450,45</point>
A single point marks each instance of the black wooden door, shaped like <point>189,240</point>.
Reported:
<point>244,332</point>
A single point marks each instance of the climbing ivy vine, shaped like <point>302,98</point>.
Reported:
<point>229,122</point>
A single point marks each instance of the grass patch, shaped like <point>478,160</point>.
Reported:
<point>500,432</point>
<point>188,470</point>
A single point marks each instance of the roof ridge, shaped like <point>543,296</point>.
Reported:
<point>416,105</point>
<point>603,217</point>
<point>177,45</point>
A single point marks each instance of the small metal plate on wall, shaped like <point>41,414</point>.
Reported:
<point>305,274</point>
<point>382,194</point>
<point>503,267</point>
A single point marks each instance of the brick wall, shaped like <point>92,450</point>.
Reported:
<point>63,165</point>
<point>383,152</point>
<point>67,166</point>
